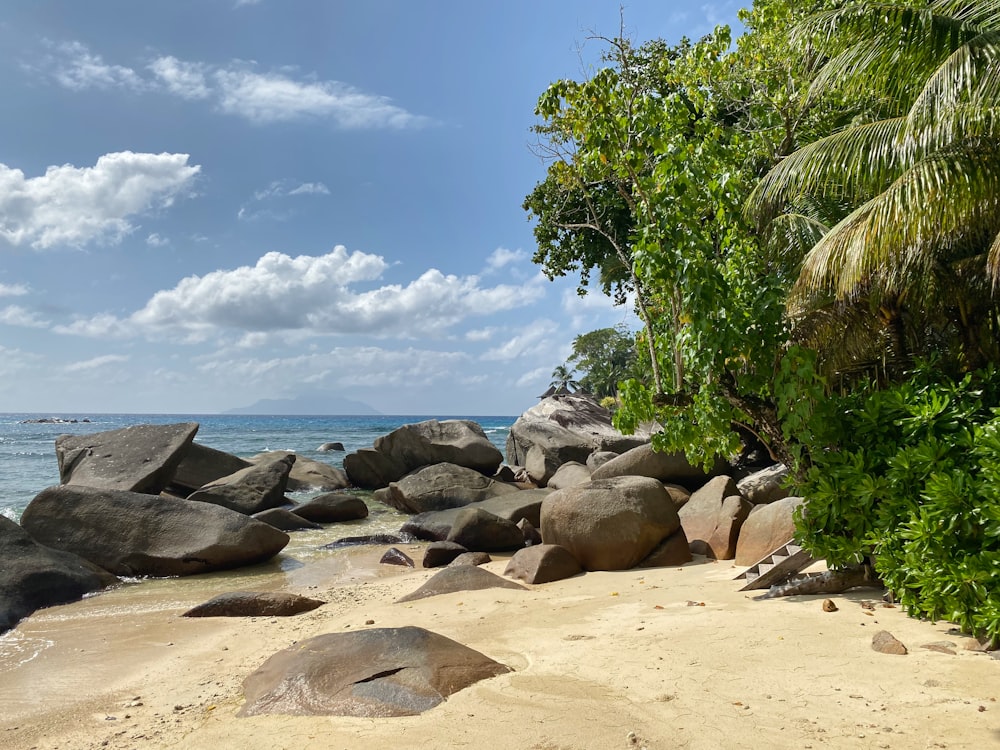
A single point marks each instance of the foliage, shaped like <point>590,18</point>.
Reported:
<point>606,356</point>
<point>562,379</point>
<point>911,482</point>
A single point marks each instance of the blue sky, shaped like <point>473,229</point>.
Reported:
<point>204,203</point>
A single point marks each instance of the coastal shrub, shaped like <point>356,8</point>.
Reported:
<point>913,486</point>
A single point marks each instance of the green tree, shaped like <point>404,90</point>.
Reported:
<point>562,379</point>
<point>606,357</point>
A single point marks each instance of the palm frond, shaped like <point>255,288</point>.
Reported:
<point>855,164</point>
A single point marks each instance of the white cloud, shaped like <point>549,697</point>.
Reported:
<point>537,338</point>
<point>73,206</point>
<point>480,334</point>
<point>13,290</point>
<point>314,296</point>
<point>534,377</point>
<point>238,89</point>
<point>310,188</point>
<point>155,240</point>
<point>186,80</point>
<point>15,315</point>
<point>97,362</point>
<point>503,257</point>
<point>75,67</point>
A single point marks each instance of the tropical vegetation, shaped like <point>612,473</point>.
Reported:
<point>807,220</point>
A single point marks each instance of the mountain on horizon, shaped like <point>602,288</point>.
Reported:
<point>302,406</point>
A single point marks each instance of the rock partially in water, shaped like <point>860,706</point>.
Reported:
<point>254,604</point>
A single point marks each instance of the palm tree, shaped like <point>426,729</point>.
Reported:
<point>562,380</point>
<point>916,243</point>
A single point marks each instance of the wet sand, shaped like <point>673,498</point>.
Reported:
<point>661,658</point>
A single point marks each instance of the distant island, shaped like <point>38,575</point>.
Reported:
<point>307,406</point>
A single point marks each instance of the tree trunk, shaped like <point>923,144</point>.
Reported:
<point>829,582</point>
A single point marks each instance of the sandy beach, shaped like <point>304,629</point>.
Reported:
<point>658,658</point>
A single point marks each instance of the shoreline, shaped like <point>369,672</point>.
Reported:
<point>655,658</point>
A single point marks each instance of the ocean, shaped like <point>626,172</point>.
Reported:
<point>28,460</point>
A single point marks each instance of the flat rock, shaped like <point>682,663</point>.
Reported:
<point>333,507</point>
<point>373,673</point>
<point>463,578</point>
<point>254,604</point>
<point>140,458</point>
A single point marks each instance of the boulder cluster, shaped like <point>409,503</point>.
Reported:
<point>573,495</point>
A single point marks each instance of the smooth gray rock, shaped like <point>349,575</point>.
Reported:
<point>712,518</point>
<point>454,441</point>
<point>609,524</point>
<point>330,447</point>
<point>307,473</point>
<point>333,507</point>
<point>671,552</point>
<point>764,486</point>
<point>202,465</point>
<point>370,470</point>
<point>480,531</point>
<point>470,558</point>
<point>442,486</point>
<point>439,554</point>
<point>284,519</point>
<point>395,556</point>
<point>35,576</point>
<point>569,474</point>
<point>674,468</point>
<point>140,458</point>
<point>513,506</point>
<point>250,490</point>
<point>373,673</point>
<point>132,534</point>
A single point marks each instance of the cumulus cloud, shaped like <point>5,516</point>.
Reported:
<point>15,315</point>
<point>503,257</point>
<point>314,295</point>
<point>71,205</point>
<point>539,337</point>
<point>237,89</point>
<point>13,290</point>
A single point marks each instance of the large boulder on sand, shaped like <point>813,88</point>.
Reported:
<point>462,578</point>
<point>254,604</point>
<point>766,528</point>
<point>543,563</point>
<point>35,576</point>
<point>368,673</point>
<point>644,461</point>
<point>132,534</point>
<point>480,531</point>
<point>249,490</point>
<point>712,518</point>
<point>307,473</point>
<point>609,524</point>
<point>140,458</point>
<point>454,441</point>
<point>442,486</point>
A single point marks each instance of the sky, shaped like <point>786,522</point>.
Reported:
<point>206,203</point>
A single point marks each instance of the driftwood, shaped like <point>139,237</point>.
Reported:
<point>828,582</point>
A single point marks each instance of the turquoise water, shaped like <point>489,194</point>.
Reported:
<point>27,449</point>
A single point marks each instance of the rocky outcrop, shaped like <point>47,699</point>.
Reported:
<point>133,534</point>
<point>569,474</point>
<point>369,673</point>
<point>462,578</point>
<point>141,458</point>
<point>254,604</point>
<point>541,447</point>
<point>454,441</point>
<point>332,507</point>
<point>284,519</point>
<point>712,518</point>
<point>765,529</point>
<point>307,474</point>
<point>644,461</point>
<point>442,486</point>
<point>543,563</point>
<point>609,524</point>
<point>480,531</point>
<point>250,490</point>
<point>36,576</point>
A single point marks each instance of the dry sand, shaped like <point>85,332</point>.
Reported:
<point>662,658</point>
